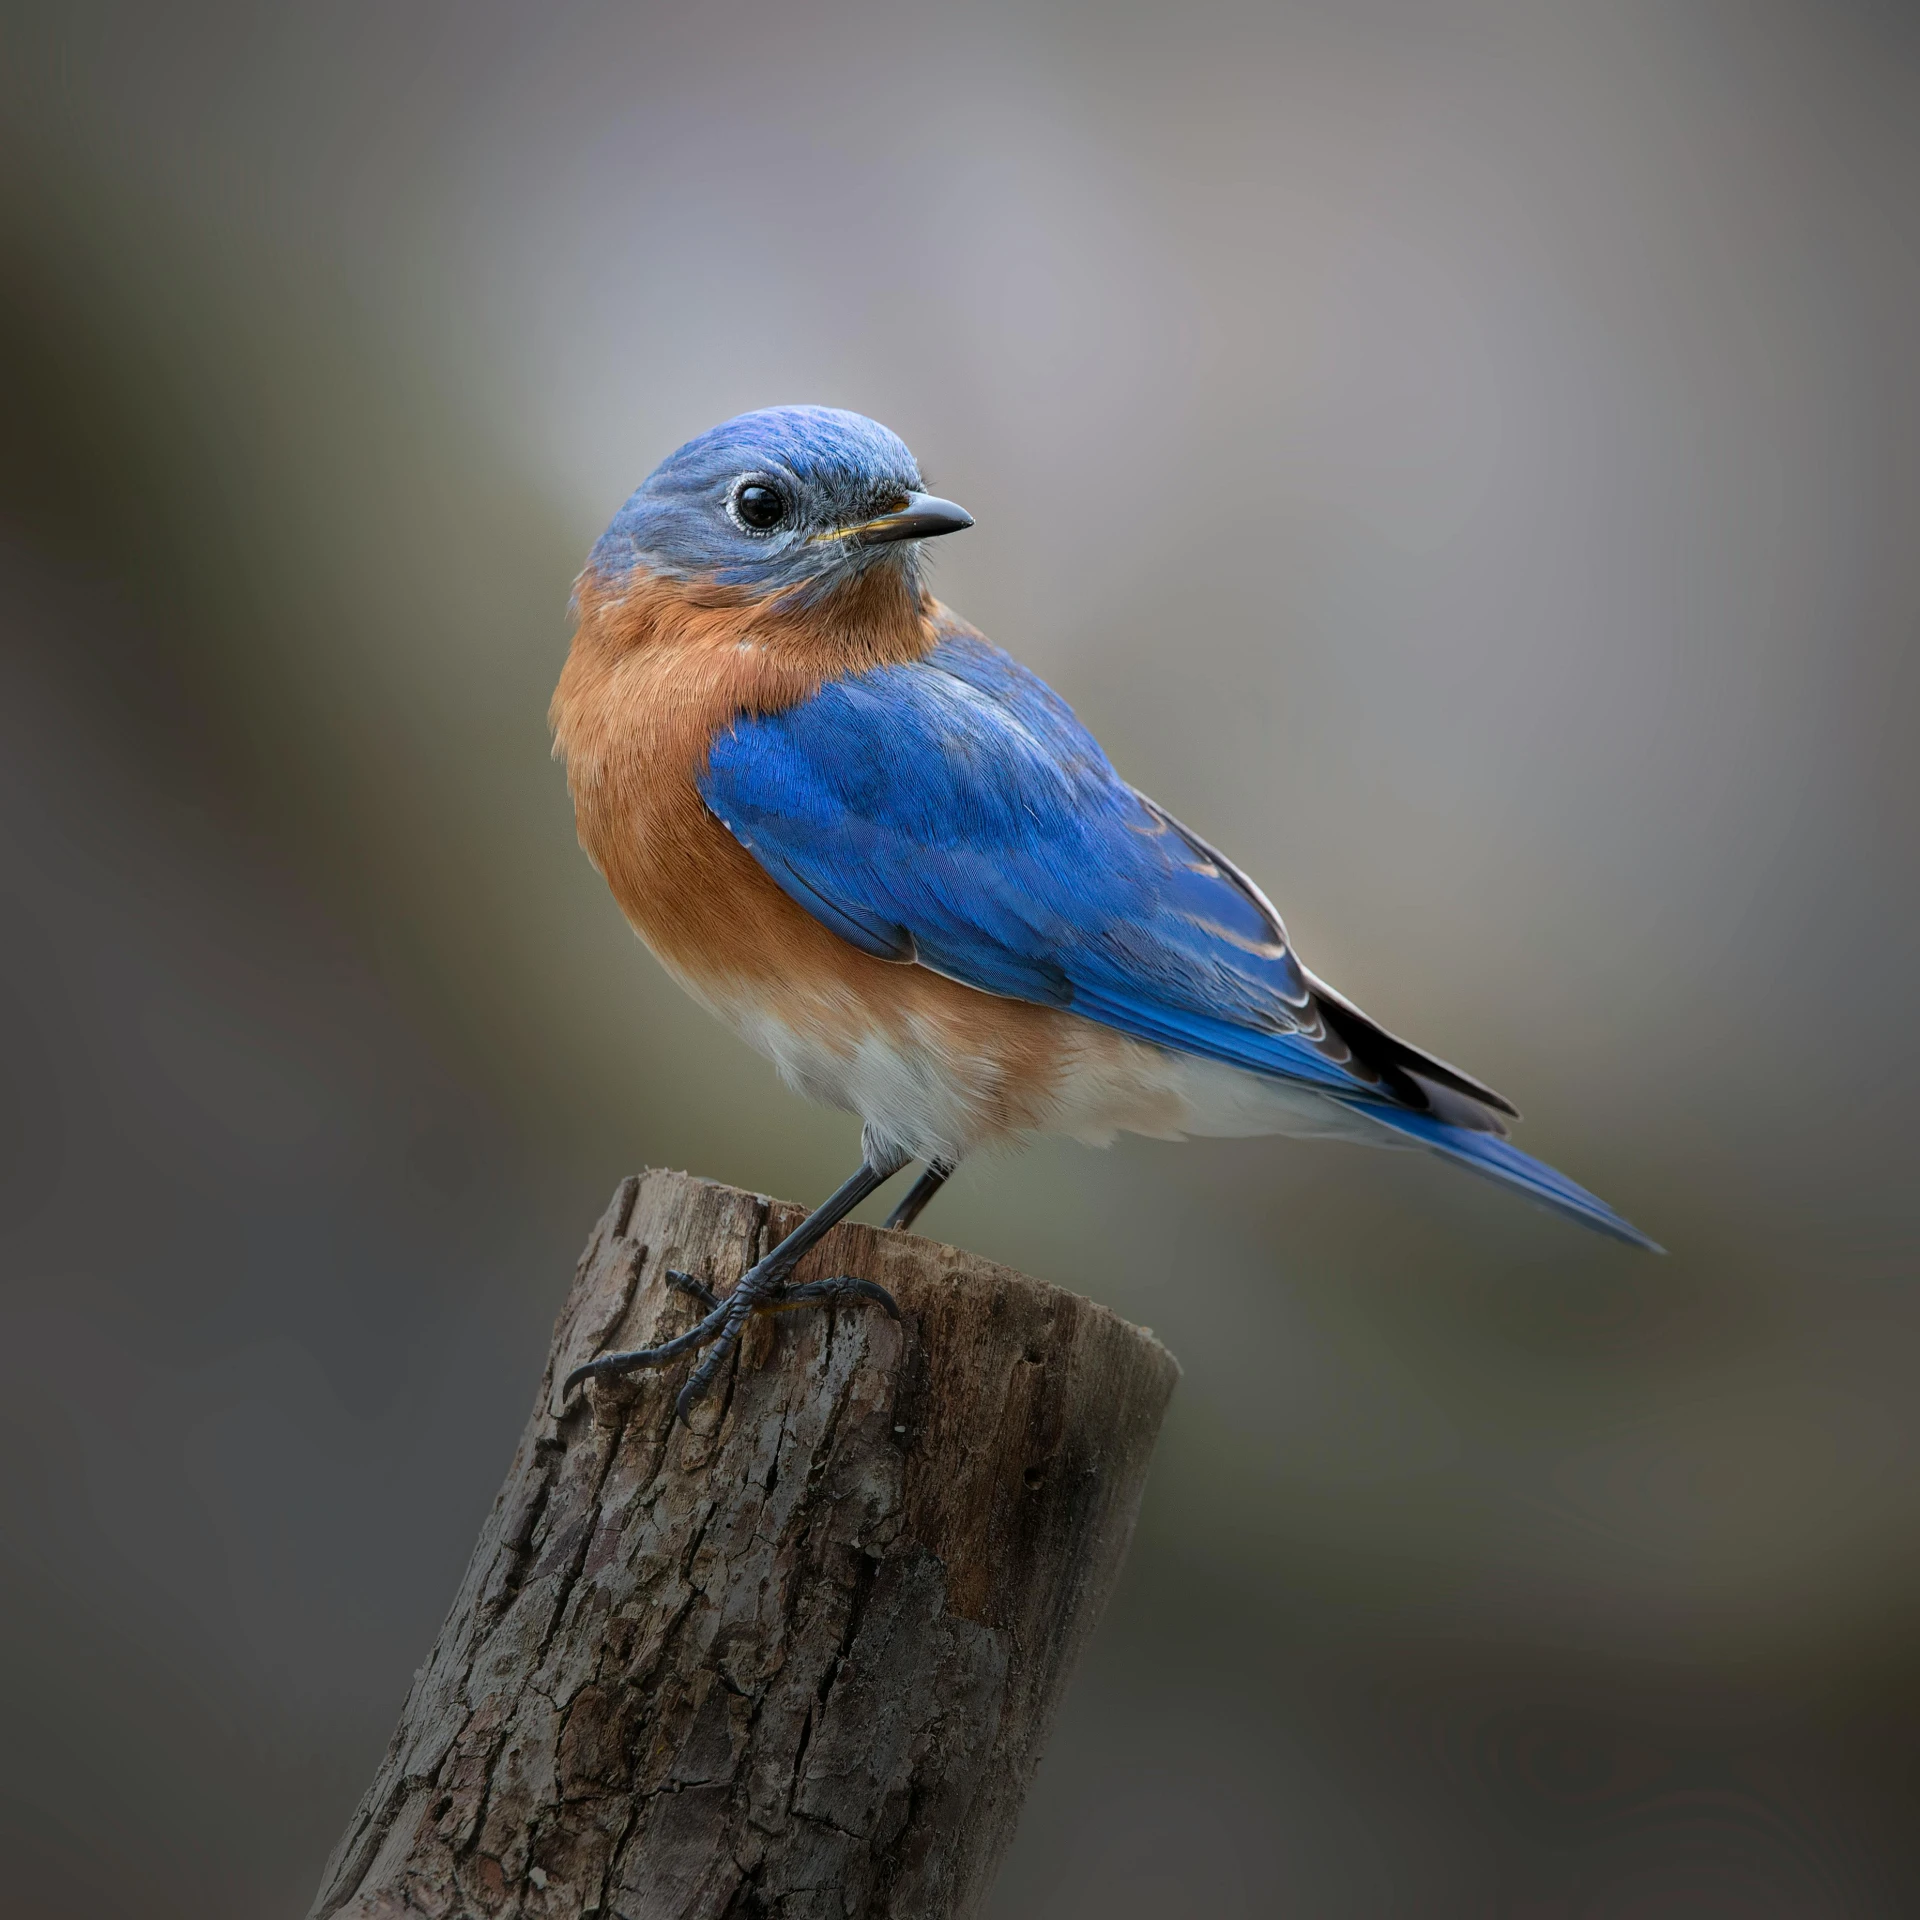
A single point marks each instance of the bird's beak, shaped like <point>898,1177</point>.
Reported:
<point>921,516</point>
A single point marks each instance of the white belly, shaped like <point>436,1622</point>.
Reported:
<point>917,1092</point>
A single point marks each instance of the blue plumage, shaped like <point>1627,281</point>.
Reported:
<point>1500,1160</point>
<point>828,465</point>
<point>954,811</point>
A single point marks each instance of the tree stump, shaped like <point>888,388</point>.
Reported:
<point>800,1660</point>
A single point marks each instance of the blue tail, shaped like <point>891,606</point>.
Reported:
<point>1501,1160</point>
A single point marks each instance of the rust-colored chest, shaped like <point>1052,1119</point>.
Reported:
<point>656,670</point>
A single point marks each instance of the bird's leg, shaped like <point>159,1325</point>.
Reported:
<point>938,1173</point>
<point>762,1289</point>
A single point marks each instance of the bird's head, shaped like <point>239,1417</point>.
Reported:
<point>789,497</point>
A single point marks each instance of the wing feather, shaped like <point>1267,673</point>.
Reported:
<point>954,812</point>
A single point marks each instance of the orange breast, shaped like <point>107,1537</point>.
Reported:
<point>657,668</point>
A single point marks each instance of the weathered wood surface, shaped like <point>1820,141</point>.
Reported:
<point>800,1661</point>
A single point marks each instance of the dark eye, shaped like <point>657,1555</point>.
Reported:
<point>760,506</point>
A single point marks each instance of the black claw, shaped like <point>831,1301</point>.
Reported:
<point>704,1375</point>
<point>590,1370</point>
<point>840,1287</point>
<point>610,1366</point>
<point>691,1283</point>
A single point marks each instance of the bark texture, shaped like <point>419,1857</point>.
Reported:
<point>800,1661</point>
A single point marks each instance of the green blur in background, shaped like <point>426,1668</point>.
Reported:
<point>1463,459</point>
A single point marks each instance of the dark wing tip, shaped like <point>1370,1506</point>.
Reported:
<point>1405,1071</point>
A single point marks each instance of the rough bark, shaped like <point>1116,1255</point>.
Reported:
<point>800,1660</point>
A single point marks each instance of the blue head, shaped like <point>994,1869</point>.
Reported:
<point>786,497</point>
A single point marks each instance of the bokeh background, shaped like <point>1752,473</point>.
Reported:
<point>1465,459</point>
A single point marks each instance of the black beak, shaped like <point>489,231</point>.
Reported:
<point>919,517</point>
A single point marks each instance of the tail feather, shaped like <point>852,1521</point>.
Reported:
<point>1498,1159</point>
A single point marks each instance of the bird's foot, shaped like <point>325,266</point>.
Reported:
<point>762,1289</point>
<point>776,1296</point>
<point>691,1284</point>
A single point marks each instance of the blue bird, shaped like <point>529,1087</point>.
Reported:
<point>892,859</point>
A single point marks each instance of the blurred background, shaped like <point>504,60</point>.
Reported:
<point>1465,459</point>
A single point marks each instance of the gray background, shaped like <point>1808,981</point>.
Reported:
<point>1461,458</point>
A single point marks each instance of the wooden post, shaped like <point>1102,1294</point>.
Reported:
<point>800,1660</point>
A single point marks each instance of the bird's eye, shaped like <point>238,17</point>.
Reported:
<point>760,506</point>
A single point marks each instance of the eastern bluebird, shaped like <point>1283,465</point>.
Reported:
<point>891,859</point>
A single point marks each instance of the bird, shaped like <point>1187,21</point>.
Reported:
<point>891,858</point>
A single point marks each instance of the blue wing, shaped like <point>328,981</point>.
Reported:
<point>954,812</point>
